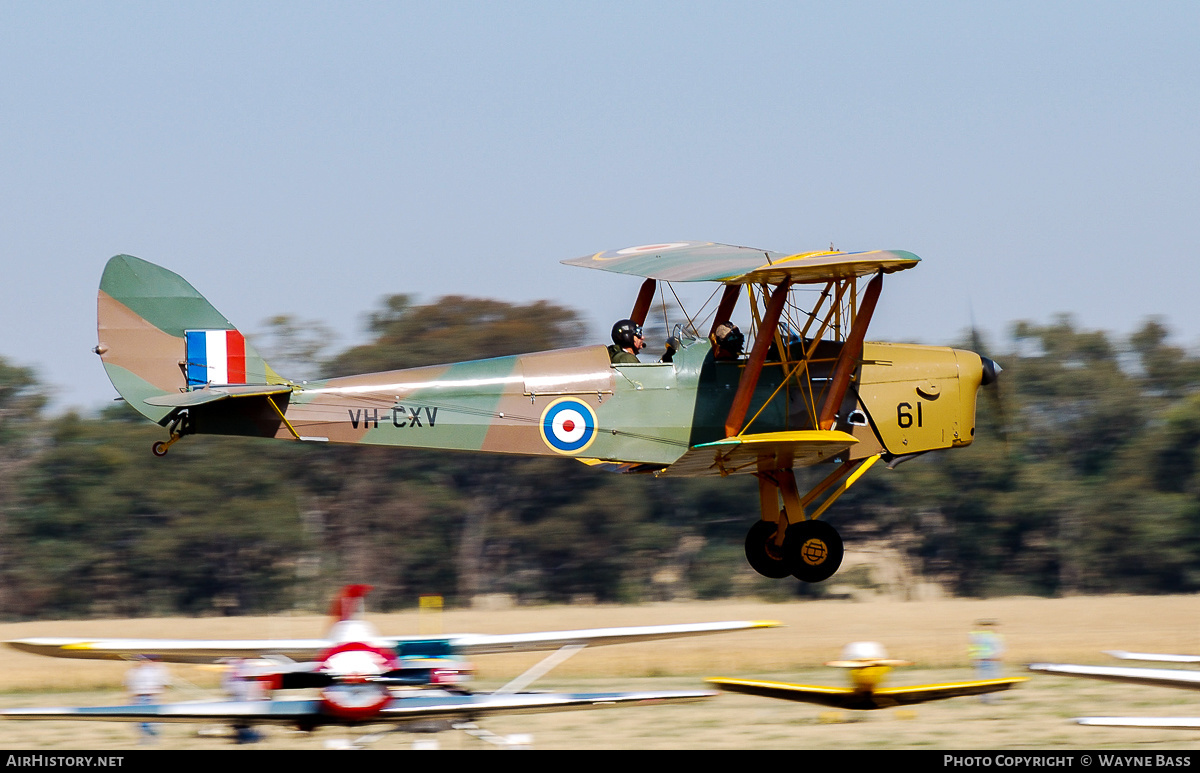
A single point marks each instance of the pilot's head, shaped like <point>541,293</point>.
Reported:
<point>727,336</point>
<point>627,334</point>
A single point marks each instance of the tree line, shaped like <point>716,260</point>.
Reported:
<point>1083,479</point>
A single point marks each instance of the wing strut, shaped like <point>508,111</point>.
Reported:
<point>758,355</point>
<point>729,300</point>
<point>848,358</point>
<point>540,669</point>
<point>641,307</point>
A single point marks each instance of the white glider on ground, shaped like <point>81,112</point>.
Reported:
<point>364,678</point>
<point>1154,677</point>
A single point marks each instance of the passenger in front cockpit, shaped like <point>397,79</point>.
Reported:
<point>727,341</point>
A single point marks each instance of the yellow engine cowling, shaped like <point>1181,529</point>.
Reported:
<point>919,398</point>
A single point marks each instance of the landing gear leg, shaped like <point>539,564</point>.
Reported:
<point>177,429</point>
<point>789,541</point>
<point>812,550</point>
<point>764,541</point>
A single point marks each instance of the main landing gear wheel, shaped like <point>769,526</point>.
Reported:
<point>812,550</point>
<point>762,553</point>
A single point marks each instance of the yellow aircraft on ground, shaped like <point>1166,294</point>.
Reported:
<point>868,664</point>
<point>810,391</point>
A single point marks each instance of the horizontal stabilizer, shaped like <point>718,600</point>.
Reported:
<point>212,394</point>
<point>760,453</point>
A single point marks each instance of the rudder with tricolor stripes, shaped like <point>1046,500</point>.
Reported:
<point>159,336</point>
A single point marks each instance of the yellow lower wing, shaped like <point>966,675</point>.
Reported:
<point>760,453</point>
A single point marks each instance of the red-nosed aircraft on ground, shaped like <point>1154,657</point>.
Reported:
<point>364,678</point>
<point>810,390</point>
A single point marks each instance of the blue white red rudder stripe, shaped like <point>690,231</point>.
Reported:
<point>215,357</point>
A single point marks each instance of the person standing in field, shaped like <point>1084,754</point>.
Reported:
<point>986,649</point>
<point>145,682</point>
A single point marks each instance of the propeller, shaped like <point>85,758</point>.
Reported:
<point>991,378</point>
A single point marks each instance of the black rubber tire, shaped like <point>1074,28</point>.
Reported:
<point>762,553</point>
<point>812,550</point>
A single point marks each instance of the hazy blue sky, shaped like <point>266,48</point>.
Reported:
<point>311,158</point>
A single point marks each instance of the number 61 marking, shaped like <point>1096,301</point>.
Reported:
<point>904,415</point>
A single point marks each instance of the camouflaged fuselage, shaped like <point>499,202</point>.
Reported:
<point>647,413</point>
<point>571,402</point>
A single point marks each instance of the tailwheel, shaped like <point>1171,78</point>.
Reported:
<point>160,448</point>
<point>812,550</point>
<point>763,554</point>
<point>179,427</point>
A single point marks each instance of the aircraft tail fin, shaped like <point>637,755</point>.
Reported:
<point>349,603</point>
<point>159,337</point>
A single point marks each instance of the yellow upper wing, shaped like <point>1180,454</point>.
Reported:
<point>730,264</point>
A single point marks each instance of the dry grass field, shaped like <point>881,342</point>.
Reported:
<point>932,633</point>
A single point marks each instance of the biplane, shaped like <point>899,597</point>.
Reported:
<point>364,678</point>
<point>867,664</point>
<point>809,391</point>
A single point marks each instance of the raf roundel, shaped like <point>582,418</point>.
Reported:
<point>568,425</point>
